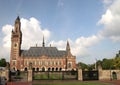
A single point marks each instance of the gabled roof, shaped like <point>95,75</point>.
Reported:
<point>40,51</point>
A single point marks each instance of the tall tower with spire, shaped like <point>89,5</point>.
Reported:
<point>16,40</point>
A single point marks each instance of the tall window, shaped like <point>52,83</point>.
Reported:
<point>13,62</point>
<point>69,65</point>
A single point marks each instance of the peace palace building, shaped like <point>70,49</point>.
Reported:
<point>42,58</point>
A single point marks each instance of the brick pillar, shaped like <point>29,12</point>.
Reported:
<point>30,75</point>
<point>100,72</point>
<point>118,75</point>
<point>80,74</point>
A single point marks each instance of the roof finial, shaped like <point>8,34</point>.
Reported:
<point>43,42</point>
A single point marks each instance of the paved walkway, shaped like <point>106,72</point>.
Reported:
<point>114,82</point>
<point>19,83</point>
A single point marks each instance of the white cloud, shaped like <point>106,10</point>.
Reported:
<point>32,34</point>
<point>106,18</point>
<point>7,35</point>
<point>80,46</point>
<point>107,1</point>
<point>111,21</point>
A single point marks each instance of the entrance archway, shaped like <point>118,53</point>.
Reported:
<point>43,68</point>
<point>25,69</point>
<point>114,75</point>
<point>48,69</point>
<point>33,69</point>
<point>37,69</point>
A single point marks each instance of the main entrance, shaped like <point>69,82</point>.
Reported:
<point>55,75</point>
<point>90,75</point>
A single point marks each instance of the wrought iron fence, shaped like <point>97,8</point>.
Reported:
<point>54,75</point>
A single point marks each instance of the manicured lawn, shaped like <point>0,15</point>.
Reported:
<point>76,83</point>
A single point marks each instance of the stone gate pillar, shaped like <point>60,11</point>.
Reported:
<point>80,74</point>
<point>100,72</point>
<point>30,73</point>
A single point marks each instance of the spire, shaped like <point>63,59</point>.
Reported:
<point>43,44</point>
<point>17,19</point>
<point>17,25</point>
<point>68,46</point>
<point>68,49</point>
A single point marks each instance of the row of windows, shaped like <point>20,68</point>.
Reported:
<point>43,69</point>
<point>53,63</point>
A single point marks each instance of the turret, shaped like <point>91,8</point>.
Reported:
<point>68,49</point>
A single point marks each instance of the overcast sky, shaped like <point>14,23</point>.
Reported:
<point>92,27</point>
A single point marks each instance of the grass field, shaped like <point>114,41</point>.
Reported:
<point>76,83</point>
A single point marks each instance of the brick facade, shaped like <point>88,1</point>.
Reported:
<point>42,58</point>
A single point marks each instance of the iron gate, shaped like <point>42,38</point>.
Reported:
<point>90,75</point>
<point>55,75</point>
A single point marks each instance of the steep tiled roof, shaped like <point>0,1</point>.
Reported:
<point>39,51</point>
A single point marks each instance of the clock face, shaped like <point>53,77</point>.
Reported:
<point>15,44</point>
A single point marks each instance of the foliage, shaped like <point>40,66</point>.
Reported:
<point>117,62</point>
<point>82,65</point>
<point>2,62</point>
<point>107,64</point>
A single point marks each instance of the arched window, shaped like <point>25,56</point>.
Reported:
<point>43,69</point>
<point>52,69</point>
<point>69,65</point>
<point>37,69</point>
<point>25,69</point>
<point>33,69</point>
<point>48,69</point>
<point>56,63</point>
<point>60,69</point>
<point>114,75</point>
<point>56,69</point>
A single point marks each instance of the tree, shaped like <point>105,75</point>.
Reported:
<point>117,62</point>
<point>83,66</point>
<point>2,62</point>
<point>107,64</point>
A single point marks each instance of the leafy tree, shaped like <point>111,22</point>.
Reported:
<point>91,67</point>
<point>2,62</point>
<point>107,64</point>
<point>82,65</point>
<point>116,62</point>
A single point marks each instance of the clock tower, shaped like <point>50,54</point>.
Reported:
<point>16,40</point>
